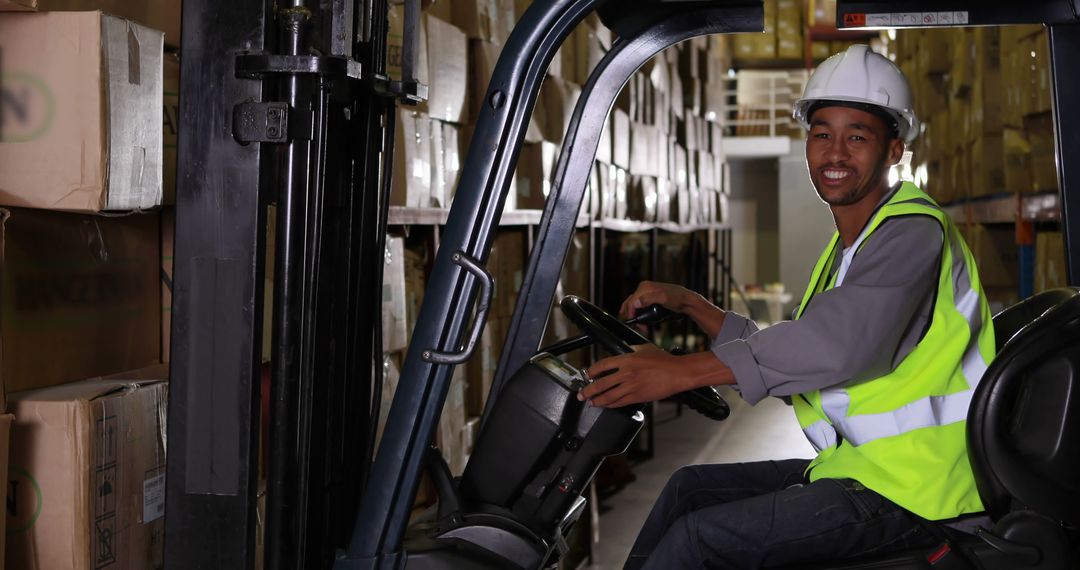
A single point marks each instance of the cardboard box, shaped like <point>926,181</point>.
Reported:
<point>170,114</point>
<point>789,47</point>
<point>536,163</point>
<point>594,43</point>
<point>509,271</point>
<point>644,150</point>
<point>82,112</point>
<point>394,336</point>
<point>933,45</point>
<point>416,270</point>
<point>484,19</point>
<point>1039,98</point>
<point>87,477</point>
<point>446,155</point>
<point>996,255</point>
<point>447,49</point>
<point>439,194</point>
<point>1040,133</point>
<point>479,371</point>
<point>450,438</point>
<point>931,94</point>
<point>1050,270</point>
<point>605,192</point>
<point>621,180</point>
<point>81,296</point>
<point>453,152</point>
<point>390,376</point>
<point>961,55</point>
<point>1017,159</point>
<point>988,165</point>
<point>620,138</point>
<point>477,18</point>
<point>641,198</point>
<point>559,97</point>
<point>959,122</point>
<point>161,15</point>
<point>16,6</point>
<point>395,42</point>
<point>822,13</point>
<point>411,185</point>
<point>482,59</point>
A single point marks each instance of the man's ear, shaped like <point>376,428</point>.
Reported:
<point>896,151</point>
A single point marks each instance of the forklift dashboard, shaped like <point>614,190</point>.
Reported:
<point>567,375</point>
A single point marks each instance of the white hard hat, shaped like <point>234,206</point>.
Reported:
<point>861,77</point>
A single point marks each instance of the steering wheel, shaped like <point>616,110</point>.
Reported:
<point>619,338</point>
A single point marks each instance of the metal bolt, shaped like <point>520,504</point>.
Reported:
<point>498,99</point>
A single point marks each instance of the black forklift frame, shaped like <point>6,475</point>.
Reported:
<point>257,112</point>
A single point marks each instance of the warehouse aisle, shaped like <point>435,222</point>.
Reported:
<point>765,431</point>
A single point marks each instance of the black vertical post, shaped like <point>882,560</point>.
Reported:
<point>217,297</point>
<point>1064,61</point>
<point>291,387</point>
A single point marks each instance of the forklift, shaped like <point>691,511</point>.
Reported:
<point>289,103</point>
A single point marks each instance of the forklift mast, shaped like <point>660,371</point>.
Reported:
<point>289,104</point>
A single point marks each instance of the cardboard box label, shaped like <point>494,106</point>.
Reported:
<point>153,498</point>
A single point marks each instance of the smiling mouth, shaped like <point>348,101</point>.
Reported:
<point>835,174</point>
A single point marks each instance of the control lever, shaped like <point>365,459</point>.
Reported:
<point>653,315</point>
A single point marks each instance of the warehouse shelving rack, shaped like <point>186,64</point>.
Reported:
<point>289,102</point>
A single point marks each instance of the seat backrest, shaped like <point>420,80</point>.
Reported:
<point>1024,422</point>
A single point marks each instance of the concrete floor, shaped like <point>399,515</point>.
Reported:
<point>766,431</point>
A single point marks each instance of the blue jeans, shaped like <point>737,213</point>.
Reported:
<point>765,515</point>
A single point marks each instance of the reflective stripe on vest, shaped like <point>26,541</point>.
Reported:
<point>926,412</point>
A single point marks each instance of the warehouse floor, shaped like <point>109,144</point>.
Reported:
<point>766,431</point>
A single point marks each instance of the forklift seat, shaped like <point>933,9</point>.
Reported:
<point>1024,445</point>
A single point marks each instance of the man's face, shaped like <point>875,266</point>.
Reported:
<point>848,153</point>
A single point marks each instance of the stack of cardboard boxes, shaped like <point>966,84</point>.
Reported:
<point>787,23</point>
<point>987,105</point>
<point>679,92</point>
<point>659,160</point>
<point>987,129</point>
<point>82,155</point>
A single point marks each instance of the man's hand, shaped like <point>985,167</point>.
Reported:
<point>671,296</point>
<point>650,374</point>
<point>679,299</point>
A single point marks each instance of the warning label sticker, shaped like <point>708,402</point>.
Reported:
<point>854,20</point>
<point>153,498</point>
<point>905,19</point>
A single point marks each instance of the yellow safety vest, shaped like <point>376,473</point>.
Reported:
<point>903,434</point>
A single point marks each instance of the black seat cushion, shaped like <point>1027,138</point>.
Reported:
<point>1024,421</point>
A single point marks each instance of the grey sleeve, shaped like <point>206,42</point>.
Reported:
<point>735,326</point>
<point>859,330</point>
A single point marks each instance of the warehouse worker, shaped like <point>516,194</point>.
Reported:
<point>879,362</point>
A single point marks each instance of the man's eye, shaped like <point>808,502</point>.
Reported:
<point>821,136</point>
<point>857,138</point>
